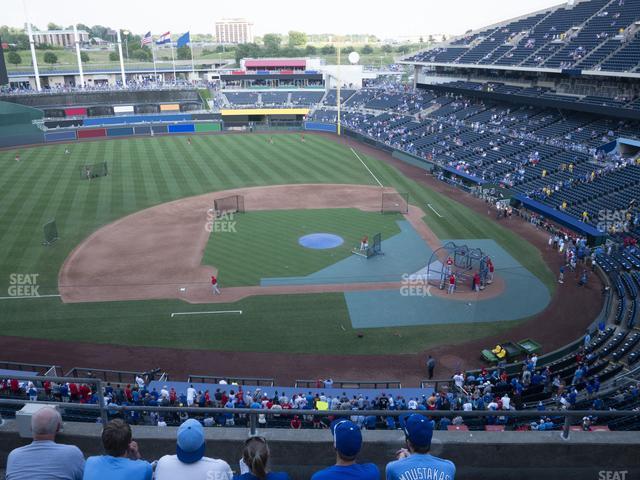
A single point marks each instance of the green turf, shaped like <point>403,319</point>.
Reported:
<point>148,171</point>
<point>284,323</point>
<point>265,243</point>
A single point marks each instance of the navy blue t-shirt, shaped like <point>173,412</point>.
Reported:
<point>357,471</point>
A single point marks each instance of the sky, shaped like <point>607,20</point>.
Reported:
<point>381,18</point>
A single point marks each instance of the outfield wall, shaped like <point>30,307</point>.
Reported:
<point>485,455</point>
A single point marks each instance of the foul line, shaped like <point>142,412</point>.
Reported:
<point>433,210</point>
<point>28,296</point>
<point>214,312</point>
<point>365,166</point>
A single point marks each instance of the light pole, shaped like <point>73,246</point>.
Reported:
<point>126,45</point>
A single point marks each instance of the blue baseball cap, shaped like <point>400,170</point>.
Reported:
<point>347,437</point>
<point>418,430</point>
<point>190,446</point>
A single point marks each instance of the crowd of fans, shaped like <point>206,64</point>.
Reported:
<point>122,459</point>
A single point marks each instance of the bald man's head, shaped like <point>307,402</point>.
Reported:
<point>45,422</point>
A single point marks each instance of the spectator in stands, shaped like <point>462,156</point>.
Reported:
<point>189,461</point>
<point>255,462</point>
<point>347,441</point>
<point>43,458</point>
<point>122,460</point>
<point>415,461</point>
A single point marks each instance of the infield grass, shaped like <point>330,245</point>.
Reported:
<point>46,184</point>
<point>265,243</point>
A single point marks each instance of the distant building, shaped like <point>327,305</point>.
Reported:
<point>59,38</point>
<point>234,30</point>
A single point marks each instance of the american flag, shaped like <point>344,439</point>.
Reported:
<point>146,40</point>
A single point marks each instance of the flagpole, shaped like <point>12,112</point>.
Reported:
<point>155,69</point>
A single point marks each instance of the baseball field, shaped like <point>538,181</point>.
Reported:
<point>261,248</point>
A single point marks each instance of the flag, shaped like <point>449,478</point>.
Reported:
<point>146,40</point>
<point>164,38</point>
<point>183,40</point>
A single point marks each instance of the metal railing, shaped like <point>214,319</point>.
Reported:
<point>120,376</point>
<point>381,384</point>
<point>253,381</point>
<point>31,367</point>
<point>569,416</point>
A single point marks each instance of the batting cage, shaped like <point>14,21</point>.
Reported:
<point>460,260</point>
<point>50,232</point>
<point>87,172</point>
<point>231,204</point>
<point>394,202</point>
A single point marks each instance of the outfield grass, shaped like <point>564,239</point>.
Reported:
<point>46,184</point>
<point>265,243</point>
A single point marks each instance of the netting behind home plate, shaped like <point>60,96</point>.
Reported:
<point>231,204</point>
<point>394,202</point>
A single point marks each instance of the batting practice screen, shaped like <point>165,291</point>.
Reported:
<point>393,202</point>
<point>231,204</point>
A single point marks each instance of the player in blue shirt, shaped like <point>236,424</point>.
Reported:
<point>415,461</point>
<point>347,441</point>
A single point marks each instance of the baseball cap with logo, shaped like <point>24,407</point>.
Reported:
<point>347,437</point>
<point>190,446</point>
<point>418,430</point>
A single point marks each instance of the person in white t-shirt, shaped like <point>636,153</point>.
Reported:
<point>140,382</point>
<point>506,402</point>
<point>164,393</point>
<point>189,461</point>
<point>458,379</point>
<point>191,395</point>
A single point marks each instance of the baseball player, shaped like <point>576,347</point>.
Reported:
<point>214,285</point>
<point>364,243</point>
<point>17,157</point>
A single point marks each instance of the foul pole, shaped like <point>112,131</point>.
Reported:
<point>338,91</point>
<point>124,78</point>
<point>32,46</point>
<point>78,55</point>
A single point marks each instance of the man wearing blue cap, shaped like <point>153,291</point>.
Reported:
<point>415,461</point>
<point>189,461</point>
<point>347,441</point>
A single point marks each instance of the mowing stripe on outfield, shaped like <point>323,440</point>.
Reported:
<point>433,210</point>
<point>365,166</point>
<point>214,312</point>
<point>28,296</point>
